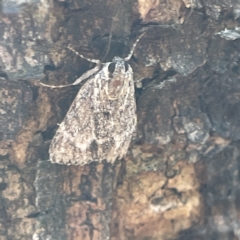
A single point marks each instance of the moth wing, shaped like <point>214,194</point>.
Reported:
<point>72,141</point>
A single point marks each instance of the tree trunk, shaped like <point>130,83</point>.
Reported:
<point>180,177</point>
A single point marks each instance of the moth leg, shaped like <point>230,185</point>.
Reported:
<point>163,83</point>
<point>138,83</point>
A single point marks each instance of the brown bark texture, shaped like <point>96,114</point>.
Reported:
<point>180,178</point>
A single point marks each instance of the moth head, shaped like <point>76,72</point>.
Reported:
<point>119,75</point>
<point>118,65</point>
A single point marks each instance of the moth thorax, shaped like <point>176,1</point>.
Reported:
<point>115,87</point>
<point>116,83</point>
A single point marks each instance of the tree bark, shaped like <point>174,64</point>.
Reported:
<point>180,178</point>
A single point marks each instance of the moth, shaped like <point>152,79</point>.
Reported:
<point>102,118</point>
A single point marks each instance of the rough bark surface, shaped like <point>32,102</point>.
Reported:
<point>180,179</point>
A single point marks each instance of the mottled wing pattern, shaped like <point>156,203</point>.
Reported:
<point>101,120</point>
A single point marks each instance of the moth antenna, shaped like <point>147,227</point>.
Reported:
<point>191,11</point>
<point>53,86</point>
<point>97,61</point>
<point>83,77</point>
<point>133,48</point>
